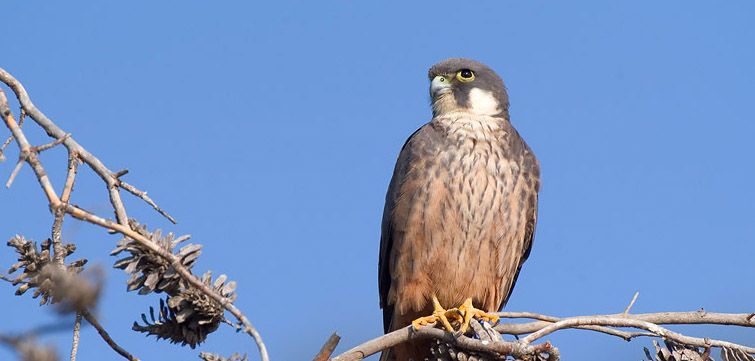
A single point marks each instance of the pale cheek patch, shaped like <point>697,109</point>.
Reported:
<point>483,102</point>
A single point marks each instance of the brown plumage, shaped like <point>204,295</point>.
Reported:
<point>461,207</point>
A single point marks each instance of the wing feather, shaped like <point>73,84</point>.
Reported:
<point>410,153</point>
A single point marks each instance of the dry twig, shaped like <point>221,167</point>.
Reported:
<point>548,324</point>
<point>328,348</point>
<point>76,334</point>
<point>60,205</point>
<point>106,337</point>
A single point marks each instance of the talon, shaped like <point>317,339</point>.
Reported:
<point>439,313</point>
<point>469,312</point>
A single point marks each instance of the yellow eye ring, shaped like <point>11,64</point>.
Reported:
<point>465,75</point>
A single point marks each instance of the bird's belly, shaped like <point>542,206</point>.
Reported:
<point>465,217</point>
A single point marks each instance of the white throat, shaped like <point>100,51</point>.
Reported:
<point>483,102</point>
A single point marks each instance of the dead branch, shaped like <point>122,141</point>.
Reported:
<point>516,349</point>
<point>660,318</point>
<point>328,348</point>
<point>76,334</point>
<point>627,322</point>
<point>60,205</point>
<point>106,337</point>
<point>649,322</point>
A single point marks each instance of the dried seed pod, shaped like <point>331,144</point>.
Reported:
<point>190,315</point>
<point>51,283</point>
<point>676,352</point>
<point>150,272</point>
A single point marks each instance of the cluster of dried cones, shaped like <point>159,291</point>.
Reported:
<point>52,283</point>
<point>188,315</point>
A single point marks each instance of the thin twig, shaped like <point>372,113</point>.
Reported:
<point>143,195</point>
<point>47,146</point>
<point>113,184</point>
<point>625,322</point>
<point>75,342</point>
<point>631,303</point>
<point>13,174</point>
<point>106,337</point>
<point>10,138</point>
<point>25,148</point>
<point>328,348</point>
<point>659,318</point>
<point>73,167</point>
<point>524,328</point>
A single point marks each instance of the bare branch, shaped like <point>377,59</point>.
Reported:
<point>106,337</point>
<point>660,318</point>
<point>525,328</point>
<point>26,151</point>
<point>548,324</point>
<point>328,348</point>
<point>44,147</point>
<point>73,167</point>
<point>631,303</point>
<point>75,342</point>
<point>143,195</point>
<point>408,334</point>
<point>10,138</point>
<point>56,133</point>
<point>114,185</point>
<point>13,174</point>
<point>625,322</point>
<point>57,224</point>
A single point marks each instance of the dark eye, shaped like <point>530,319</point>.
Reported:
<point>465,75</point>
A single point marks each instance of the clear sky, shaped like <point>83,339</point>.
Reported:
<point>270,132</point>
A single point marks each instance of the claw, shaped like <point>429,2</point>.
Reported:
<point>469,312</point>
<point>439,314</point>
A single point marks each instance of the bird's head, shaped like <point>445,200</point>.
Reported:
<point>465,85</point>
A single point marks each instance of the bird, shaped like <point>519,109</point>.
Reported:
<point>460,210</point>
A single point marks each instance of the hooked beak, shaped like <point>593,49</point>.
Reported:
<point>440,85</point>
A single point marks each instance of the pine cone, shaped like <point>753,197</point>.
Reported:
<point>190,315</point>
<point>150,272</point>
<point>53,283</point>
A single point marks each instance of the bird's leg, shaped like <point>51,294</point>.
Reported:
<point>469,312</point>
<point>439,313</point>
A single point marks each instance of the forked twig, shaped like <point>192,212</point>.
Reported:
<point>60,205</point>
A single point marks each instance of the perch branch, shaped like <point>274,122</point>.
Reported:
<point>547,324</point>
<point>408,334</point>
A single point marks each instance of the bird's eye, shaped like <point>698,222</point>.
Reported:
<point>465,75</point>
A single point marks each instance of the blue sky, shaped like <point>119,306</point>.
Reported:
<point>270,132</point>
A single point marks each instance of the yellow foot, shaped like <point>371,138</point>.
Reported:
<point>439,314</point>
<point>468,311</point>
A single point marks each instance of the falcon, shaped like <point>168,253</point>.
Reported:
<point>460,211</point>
